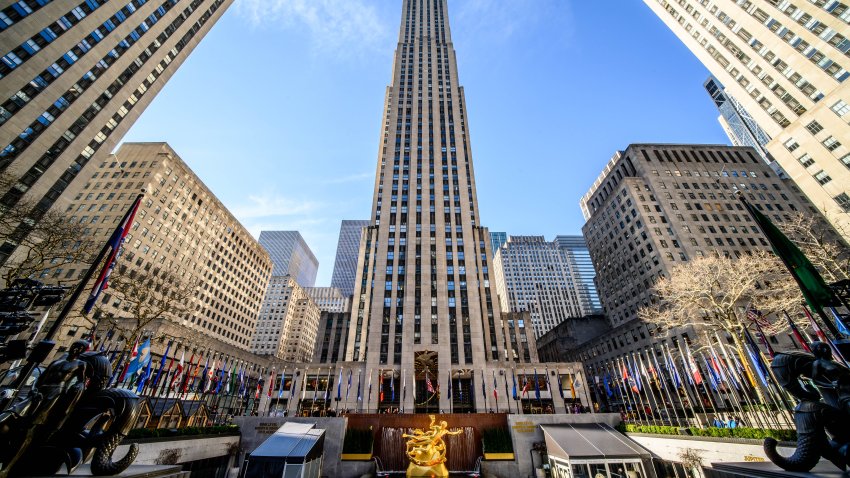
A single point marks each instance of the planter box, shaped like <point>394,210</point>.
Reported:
<point>499,456</point>
<point>355,456</point>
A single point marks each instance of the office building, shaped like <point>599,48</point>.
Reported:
<point>656,206</point>
<point>181,229</point>
<point>786,63</point>
<point>536,276</point>
<point>75,77</point>
<point>288,322</point>
<point>347,252</point>
<point>291,256</point>
<point>497,239</point>
<point>332,337</point>
<point>738,124</point>
<point>329,299</point>
<point>579,255</point>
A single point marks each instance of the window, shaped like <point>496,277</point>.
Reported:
<point>831,143</point>
<point>846,160</point>
<point>822,177</point>
<point>843,200</point>
<point>814,127</point>
<point>806,160</point>
<point>791,144</point>
<point>841,108</point>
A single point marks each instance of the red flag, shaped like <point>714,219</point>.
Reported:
<point>381,386</point>
<point>797,335</point>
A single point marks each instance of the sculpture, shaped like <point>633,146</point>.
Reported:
<point>822,417</point>
<point>68,417</point>
<point>427,450</point>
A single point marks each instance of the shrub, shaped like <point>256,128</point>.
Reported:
<point>175,432</point>
<point>357,440</point>
<point>740,432</point>
<point>496,440</point>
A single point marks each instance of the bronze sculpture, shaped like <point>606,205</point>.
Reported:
<point>822,416</point>
<point>68,417</point>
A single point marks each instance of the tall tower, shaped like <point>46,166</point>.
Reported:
<point>347,253</point>
<point>75,77</point>
<point>423,303</point>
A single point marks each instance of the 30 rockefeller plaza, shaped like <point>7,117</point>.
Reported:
<point>655,283</point>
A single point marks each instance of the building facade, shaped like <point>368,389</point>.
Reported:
<point>497,239</point>
<point>738,124</point>
<point>536,276</point>
<point>288,322</point>
<point>182,230</point>
<point>562,342</point>
<point>347,250</point>
<point>291,256</point>
<point>332,337</point>
<point>787,64</point>
<point>576,249</point>
<point>329,299</point>
<point>76,76</point>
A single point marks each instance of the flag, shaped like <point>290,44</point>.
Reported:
<point>141,357</point>
<point>348,387</point>
<point>513,378</point>
<point>144,377</point>
<point>392,387</point>
<point>338,386</point>
<point>713,380</point>
<point>526,387</point>
<point>369,393</point>
<point>755,357</point>
<point>674,371</point>
<point>823,338</point>
<point>162,365</point>
<point>815,290</point>
<point>133,354</point>
<point>572,386</point>
<point>483,386</point>
<point>380,386</point>
<point>403,387</point>
<point>282,383</point>
<point>693,369</point>
<point>756,317</point>
<point>796,332</point>
<point>428,385</point>
<point>114,243</point>
<point>459,390</point>
<point>292,386</point>
<point>359,397</point>
<point>449,390</point>
<point>178,374</point>
<point>204,375</point>
<point>231,381</point>
<point>271,383</point>
<point>495,388</point>
<point>607,385</point>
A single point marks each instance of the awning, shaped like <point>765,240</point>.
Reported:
<point>292,443</point>
<point>589,441</point>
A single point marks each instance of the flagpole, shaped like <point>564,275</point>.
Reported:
<point>650,392</point>
<point>716,360</point>
<point>663,388</point>
<point>742,389</point>
<point>639,409</point>
<point>686,380</point>
<point>507,392</point>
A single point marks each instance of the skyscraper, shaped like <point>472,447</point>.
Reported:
<point>75,77</point>
<point>497,239</point>
<point>423,299</point>
<point>347,251</point>
<point>576,249</point>
<point>738,124</point>
<point>536,276</point>
<point>787,64</point>
<point>291,256</point>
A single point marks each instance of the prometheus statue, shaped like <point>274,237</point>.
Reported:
<point>427,450</point>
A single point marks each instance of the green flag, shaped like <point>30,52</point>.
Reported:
<point>815,290</point>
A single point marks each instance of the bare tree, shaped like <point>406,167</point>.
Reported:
<point>140,298</point>
<point>714,293</point>
<point>821,244</point>
<point>51,242</point>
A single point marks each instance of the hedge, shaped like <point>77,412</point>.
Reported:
<point>739,432</point>
<point>187,431</point>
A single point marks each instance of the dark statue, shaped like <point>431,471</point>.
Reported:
<point>67,418</point>
<point>822,417</point>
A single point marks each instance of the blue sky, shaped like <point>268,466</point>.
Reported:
<point>278,110</point>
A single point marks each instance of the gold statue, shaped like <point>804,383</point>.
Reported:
<point>427,450</point>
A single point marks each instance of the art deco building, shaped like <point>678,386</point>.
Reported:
<point>75,77</point>
<point>182,229</point>
<point>576,249</point>
<point>329,299</point>
<point>288,322</point>
<point>655,206</point>
<point>291,256</point>
<point>536,276</point>
<point>786,63</point>
<point>347,250</point>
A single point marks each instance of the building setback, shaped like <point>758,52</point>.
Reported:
<point>288,322</point>
<point>291,256</point>
<point>787,64</point>
<point>656,206</point>
<point>536,276</point>
<point>180,228</point>
<point>76,76</point>
<point>329,299</point>
<point>576,249</point>
<point>347,251</point>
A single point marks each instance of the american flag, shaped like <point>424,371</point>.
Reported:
<point>428,385</point>
<point>756,316</point>
<point>115,242</point>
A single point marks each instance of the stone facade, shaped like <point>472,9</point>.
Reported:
<point>288,322</point>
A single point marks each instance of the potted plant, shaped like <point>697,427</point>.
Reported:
<point>497,444</point>
<point>357,444</point>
